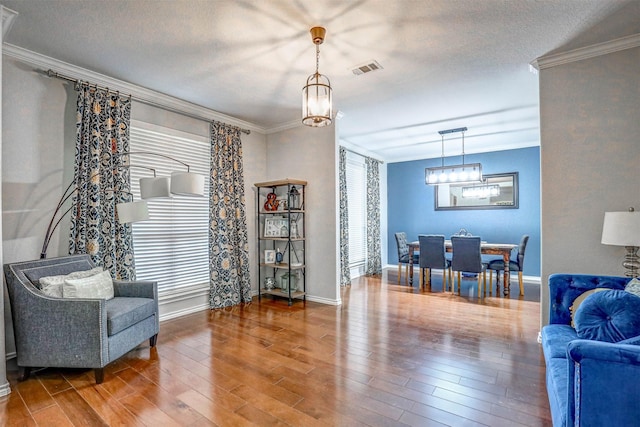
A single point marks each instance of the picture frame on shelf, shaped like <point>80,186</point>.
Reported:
<point>269,256</point>
<point>276,227</point>
<point>272,226</point>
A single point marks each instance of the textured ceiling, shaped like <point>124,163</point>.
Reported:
<point>446,63</point>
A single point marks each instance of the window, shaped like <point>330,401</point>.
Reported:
<point>357,207</point>
<point>172,247</point>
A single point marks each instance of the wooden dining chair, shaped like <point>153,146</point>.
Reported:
<point>467,258</point>
<point>432,256</point>
<point>403,256</point>
<point>517,265</point>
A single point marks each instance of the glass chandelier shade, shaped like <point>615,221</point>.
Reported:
<point>470,173</point>
<point>317,95</point>
<point>457,174</point>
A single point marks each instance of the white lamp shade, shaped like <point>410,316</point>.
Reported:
<point>132,211</point>
<point>154,187</point>
<point>621,229</point>
<point>187,183</point>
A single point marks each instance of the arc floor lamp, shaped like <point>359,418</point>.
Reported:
<point>180,183</point>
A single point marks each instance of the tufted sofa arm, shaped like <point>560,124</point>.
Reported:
<point>602,393</point>
<point>565,288</point>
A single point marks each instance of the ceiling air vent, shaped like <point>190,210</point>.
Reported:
<point>367,67</point>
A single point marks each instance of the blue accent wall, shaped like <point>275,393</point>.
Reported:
<point>411,204</point>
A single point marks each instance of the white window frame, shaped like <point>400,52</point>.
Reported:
<point>172,247</point>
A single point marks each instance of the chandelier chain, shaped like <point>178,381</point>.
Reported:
<point>317,58</point>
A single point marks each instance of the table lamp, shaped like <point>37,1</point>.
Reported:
<point>623,229</point>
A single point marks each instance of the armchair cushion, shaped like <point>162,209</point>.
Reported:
<point>97,286</point>
<point>52,285</point>
<point>123,312</point>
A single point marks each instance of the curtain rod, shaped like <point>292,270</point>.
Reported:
<point>360,154</point>
<point>52,73</point>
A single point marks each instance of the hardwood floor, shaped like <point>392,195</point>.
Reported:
<point>389,355</point>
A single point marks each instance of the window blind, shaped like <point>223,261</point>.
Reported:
<point>357,206</point>
<point>172,247</point>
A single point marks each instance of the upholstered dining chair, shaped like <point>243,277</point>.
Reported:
<point>467,258</point>
<point>517,265</point>
<point>432,256</point>
<point>403,256</point>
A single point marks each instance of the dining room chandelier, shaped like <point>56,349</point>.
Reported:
<point>317,100</point>
<point>469,173</point>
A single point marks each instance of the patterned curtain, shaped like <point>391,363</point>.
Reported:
<point>228,239</point>
<point>102,130</point>
<point>374,257</point>
<point>345,274</point>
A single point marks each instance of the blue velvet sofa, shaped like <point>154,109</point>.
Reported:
<point>592,382</point>
<point>78,332</point>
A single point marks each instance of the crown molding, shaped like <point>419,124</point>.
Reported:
<point>8,17</point>
<point>284,126</point>
<point>42,63</point>
<point>553,60</point>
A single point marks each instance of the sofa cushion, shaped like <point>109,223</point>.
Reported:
<point>579,300</point>
<point>611,316</point>
<point>123,312</point>
<point>558,389</point>
<point>555,339</point>
<point>52,285</point>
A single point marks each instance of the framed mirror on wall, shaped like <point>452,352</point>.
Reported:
<point>498,191</point>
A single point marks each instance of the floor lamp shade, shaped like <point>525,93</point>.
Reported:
<point>154,187</point>
<point>187,183</point>
<point>132,211</point>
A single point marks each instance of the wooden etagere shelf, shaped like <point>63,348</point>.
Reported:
<point>280,226</point>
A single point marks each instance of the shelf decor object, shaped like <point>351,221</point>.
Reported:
<point>282,233</point>
<point>469,173</point>
<point>623,229</point>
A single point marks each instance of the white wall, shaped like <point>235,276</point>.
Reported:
<point>590,156</point>
<point>310,154</point>
<point>6,17</point>
<point>37,164</point>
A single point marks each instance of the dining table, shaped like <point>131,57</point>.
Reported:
<point>486,248</point>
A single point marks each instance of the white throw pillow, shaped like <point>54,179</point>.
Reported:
<point>99,286</point>
<point>52,285</point>
<point>633,286</point>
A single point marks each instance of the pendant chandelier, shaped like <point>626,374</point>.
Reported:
<point>469,173</point>
<point>317,102</point>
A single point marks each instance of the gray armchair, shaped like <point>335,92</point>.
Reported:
<point>76,333</point>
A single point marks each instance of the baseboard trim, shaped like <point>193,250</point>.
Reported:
<point>5,389</point>
<point>514,277</point>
